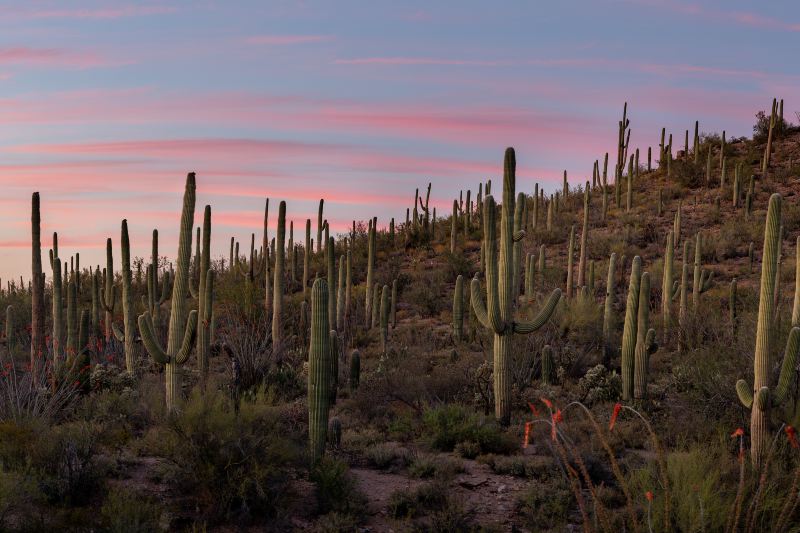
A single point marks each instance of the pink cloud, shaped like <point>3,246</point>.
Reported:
<point>103,13</point>
<point>744,18</point>
<point>281,40</point>
<point>23,55</point>
<point>422,61</point>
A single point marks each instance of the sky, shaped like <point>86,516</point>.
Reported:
<point>105,106</point>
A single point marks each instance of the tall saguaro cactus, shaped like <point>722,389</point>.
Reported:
<point>372,245</point>
<point>669,287</point>
<point>182,322</point>
<point>703,279</point>
<point>277,292</point>
<point>128,317</point>
<point>608,310</point>
<point>37,287</point>
<point>645,339</point>
<point>764,395</point>
<point>58,310</point>
<point>320,378</point>
<point>205,297</point>
<point>629,332</point>
<point>498,316</point>
<point>584,239</point>
<point>109,296</point>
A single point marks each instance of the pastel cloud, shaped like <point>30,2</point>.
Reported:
<point>282,40</point>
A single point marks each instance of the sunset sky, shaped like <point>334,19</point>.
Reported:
<point>104,106</point>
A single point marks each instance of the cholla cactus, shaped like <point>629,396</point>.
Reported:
<point>499,315</point>
<point>182,322</point>
<point>764,395</point>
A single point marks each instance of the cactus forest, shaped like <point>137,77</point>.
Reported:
<point>616,354</point>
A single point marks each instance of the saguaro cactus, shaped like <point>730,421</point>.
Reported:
<point>340,294</point>
<point>384,318</point>
<point>154,301</point>
<point>499,315</point>
<point>128,317</point>
<point>330,262</point>
<point>372,245</point>
<point>703,279</point>
<point>608,310</point>
<point>669,287</point>
<point>319,370</point>
<point>763,395</point>
<point>58,310</point>
<point>355,369</point>
<point>645,339</point>
<point>458,310</point>
<point>277,293</point>
<point>182,322</point>
<point>570,261</point>
<point>629,332</point>
<point>37,287</point>
<point>307,259</point>
<point>109,297</point>
<point>584,239</point>
<point>548,370</point>
<point>205,297</point>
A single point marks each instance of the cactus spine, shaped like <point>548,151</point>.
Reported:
<point>629,333</point>
<point>763,396</point>
<point>458,310</point>
<point>645,339</point>
<point>319,370</point>
<point>182,322</point>
<point>498,316</point>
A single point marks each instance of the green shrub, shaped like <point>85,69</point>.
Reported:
<point>125,511</point>
<point>450,425</point>
<point>546,506</point>
<point>336,488</point>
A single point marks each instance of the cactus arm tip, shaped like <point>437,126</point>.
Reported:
<point>544,315</point>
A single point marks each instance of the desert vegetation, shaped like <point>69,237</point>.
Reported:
<point>616,354</point>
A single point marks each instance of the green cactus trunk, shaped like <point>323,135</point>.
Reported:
<point>548,366</point>
<point>340,295</point>
<point>668,286</point>
<point>645,339</point>
<point>584,239</point>
<point>458,310</point>
<point>128,315</point>
<point>629,332</point>
<point>570,261</point>
<point>58,312</point>
<point>608,310</point>
<point>330,262</point>
<point>278,290</point>
<point>319,370</point>
<point>372,244</point>
<point>38,348</point>
<point>384,318</point>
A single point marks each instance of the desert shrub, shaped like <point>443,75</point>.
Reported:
<point>236,467</point>
<point>546,506</point>
<point>450,425</point>
<point>458,264</point>
<point>688,173</point>
<point>19,496</point>
<point>387,455</point>
<point>539,468</point>
<point>410,503</point>
<point>110,378</point>
<point>428,466</point>
<point>734,238</point>
<point>427,292</point>
<point>336,488</point>
<point>125,511</point>
<point>65,464</point>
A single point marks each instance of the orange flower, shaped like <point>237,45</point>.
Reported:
<point>649,496</point>
<point>533,409</point>
<point>547,402</point>
<point>527,434</point>
<point>738,433</point>
<point>617,409</point>
<point>556,418</point>
<point>791,434</point>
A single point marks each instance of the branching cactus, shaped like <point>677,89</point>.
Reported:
<point>764,394</point>
<point>154,301</point>
<point>498,316</point>
<point>319,370</point>
<point>182,322</point>
<point>458,310</point>
<point>629,332</point>
<point>645,340</point>
<point>703,279</point>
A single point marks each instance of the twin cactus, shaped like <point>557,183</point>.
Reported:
<point>638,340</point>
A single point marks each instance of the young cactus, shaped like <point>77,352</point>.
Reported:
<point>498,316</point>
<point>764,394</point>
<point>182,322</point>
<point>319,370</point>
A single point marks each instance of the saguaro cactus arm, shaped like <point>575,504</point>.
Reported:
<point>188,338</point>
<point>478,304</point>
<point>149,340</point>
<point>540,319</point>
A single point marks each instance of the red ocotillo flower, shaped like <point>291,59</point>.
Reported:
<point>527,434</point>
<point>791,434</point>
<point>617,409</point>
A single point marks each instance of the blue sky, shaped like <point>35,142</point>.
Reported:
<point>106,105</point>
